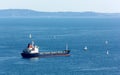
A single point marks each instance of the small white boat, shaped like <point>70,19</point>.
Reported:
<point>107,52</point>
<point>106,42</point>
<point>85,48</point>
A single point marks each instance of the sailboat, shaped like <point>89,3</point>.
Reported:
<point>107,52</point>
<point>85,48</point>
<point>106,42</point>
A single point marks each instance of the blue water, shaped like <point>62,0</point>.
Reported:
<point>52,34</point>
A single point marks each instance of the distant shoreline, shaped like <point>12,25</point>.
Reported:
<point>25,13</point>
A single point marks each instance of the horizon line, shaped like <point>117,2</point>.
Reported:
<point>60,11</point>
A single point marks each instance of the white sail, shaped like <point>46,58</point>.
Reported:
<point>85,48</point>
<point>106,42</point>
<point>107,52</point>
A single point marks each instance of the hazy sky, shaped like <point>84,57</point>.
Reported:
<point>63,5</point>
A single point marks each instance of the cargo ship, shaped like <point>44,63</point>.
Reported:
<point>32,50</point>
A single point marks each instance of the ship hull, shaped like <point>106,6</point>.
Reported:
<point>44,54</point>
<point>25,55</point>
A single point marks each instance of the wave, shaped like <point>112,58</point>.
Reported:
<point>3,46</point>
<point>6,58</point>
<point>99,69</point>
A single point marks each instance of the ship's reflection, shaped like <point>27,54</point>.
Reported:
<point>32,59</point>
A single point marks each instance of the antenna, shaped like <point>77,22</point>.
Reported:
<point>30,36</point>
<point>32,42</point>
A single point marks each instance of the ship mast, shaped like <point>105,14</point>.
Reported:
<point>30,36</point>
<point>66,46</point>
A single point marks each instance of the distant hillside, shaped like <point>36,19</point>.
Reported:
<point>32,13</point>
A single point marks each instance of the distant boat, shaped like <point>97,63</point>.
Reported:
<point>106,42</point>
<point>85,48</point>
<point>33,51</point>
<point>107,52</point>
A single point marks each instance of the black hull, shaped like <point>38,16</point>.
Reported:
<point>26,55</point>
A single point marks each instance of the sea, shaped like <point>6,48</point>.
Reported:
<point>52,34</point>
